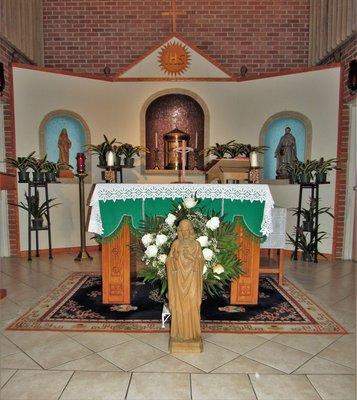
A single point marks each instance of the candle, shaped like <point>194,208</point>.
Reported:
<point>183,160</point>
<point>254,159</point>
<point>110,158</point>
<point>81,165</point>
<point>156,140</point>
<point>196,141</point>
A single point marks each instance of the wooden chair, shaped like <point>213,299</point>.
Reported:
<point>275,241</point>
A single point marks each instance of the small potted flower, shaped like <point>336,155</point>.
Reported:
<point>38,166</point>
<point>101,150</point>
<point>322,167</point>
<point>129,151</point>
<point>219,150</point>
<point>36,210</point>
<point>22,164</point>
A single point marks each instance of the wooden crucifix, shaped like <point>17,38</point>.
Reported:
<point>173,13</point>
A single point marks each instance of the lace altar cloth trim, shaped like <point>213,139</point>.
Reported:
<point>123,191</point>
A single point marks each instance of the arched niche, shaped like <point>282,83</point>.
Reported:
<point>170,109</point>
<point>274,128</point>
<point>78,133</point>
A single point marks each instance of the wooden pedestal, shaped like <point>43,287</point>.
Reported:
<point>116,269</point>
<point>244,290</point>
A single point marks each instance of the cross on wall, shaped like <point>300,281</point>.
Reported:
<point>173,13</point>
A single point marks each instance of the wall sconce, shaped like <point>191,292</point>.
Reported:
<point>352,76</point>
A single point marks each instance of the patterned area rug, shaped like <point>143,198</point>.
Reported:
<point>76,305</point>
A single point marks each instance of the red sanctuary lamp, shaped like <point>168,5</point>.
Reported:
<point>81,163</point>
<point>81,174</point>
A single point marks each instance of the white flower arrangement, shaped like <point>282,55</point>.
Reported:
<point>219,246</point>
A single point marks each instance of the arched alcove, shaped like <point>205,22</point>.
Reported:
<point>271,133</point>
<point>77,130</point>
<point>168,110</point>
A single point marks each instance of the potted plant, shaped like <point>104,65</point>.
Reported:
<point>38,167</point>
<point>307,244</point>
<point>305,171</point>
<point>322,167</point>
<point>118,152</point>
<point>22,164</point>
<point>234,149</point>
<point>101,150</point>
<point>36,210</point>
<point>246,149</point>
<point>52,170</point>
<point>129,151</point>
<point>309,215</point>
<point>219,150</point>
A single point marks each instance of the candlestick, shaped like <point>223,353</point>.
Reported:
<point>156,158</point>
<point>183,177</point>
<point>196,141</point>
<point>110,158</point>
<point>156,140</point>
<point>81,166</point>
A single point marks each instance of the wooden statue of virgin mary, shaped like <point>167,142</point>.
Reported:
<point>184,275</point>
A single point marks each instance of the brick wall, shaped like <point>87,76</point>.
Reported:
<point>265,35</point>
<point>348,53</point>
<point>6,57</point>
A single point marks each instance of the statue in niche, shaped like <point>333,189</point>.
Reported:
<point>184,274</point>
<point>285,153</point>
<point>64,144</point>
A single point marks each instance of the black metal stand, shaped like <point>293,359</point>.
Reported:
<point>35,186</point>
<point>314,197</point>
<point>83,253</point>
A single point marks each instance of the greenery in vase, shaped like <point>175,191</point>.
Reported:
<point>38,164</point>
<point>217,238</point>
<point>218,150</point>
<point>129,151</point>
<point>233,149</point>
<point>21,163</point>
<point>101,149</point>
<point>323,166</point>
<point>33,206</point>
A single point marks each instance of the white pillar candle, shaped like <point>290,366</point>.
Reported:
<point>110,158</point>
<point>254,159</point>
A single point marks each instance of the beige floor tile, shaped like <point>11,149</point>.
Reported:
<point>130,355</point>
<point>281,357</point>
<point>18,361</point>
<point>93,362</point>
<point>343,351</point>
<point>312,344</point>
<point>238,343</point>
<point>98,341</point>
<point>212,357</point>
<point>9,309</point>
<point>5,375</point>
<point>283,387</point>
<point>39,385</point>
<point>335,387</point>
<point>97,386</point>
<point>7,347</point>
<point>221,387</point>
<point>319,365</point>
<point>28,340</point>
<point>159,386</point>
<point>58,352</point>
<point>167,364</point>
<point>244,365</point>
<point>158,340</point>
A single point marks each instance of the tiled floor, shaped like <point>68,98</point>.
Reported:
<point>103,366</point>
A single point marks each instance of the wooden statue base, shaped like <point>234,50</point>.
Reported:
<point>185,346</point>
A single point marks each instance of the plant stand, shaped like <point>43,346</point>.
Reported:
<point>32,189</point>
<point>314,196</point>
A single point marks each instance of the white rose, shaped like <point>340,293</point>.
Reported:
<point>218,269</point>
<point>203,241</point>
<point>189,202</point>
<point>160,240</point>
<point>204,269</point>
<point>207,254</point>
<point>162,258</point>
<point>170,219</point>
<point>213,223</point>
<point>147,239</point>
<point>151,251</point>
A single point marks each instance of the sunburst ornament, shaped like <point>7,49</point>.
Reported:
<point>174,58</point>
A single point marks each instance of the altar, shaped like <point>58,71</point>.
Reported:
<point>116,208</point>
